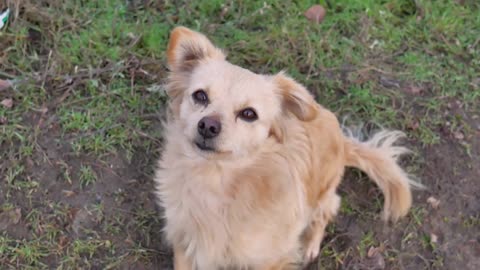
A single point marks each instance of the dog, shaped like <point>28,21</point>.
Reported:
<point>248,175</point>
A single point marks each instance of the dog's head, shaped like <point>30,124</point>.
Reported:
<point>223,108</point>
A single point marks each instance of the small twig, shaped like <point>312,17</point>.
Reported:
<point>104,167</point>
<point>132,82</point>
<point>368,68</point>
<point>134,42</point>
<point>154,116</point>
<point>475,43</point>
<point>64,96</point>
<point>143,134</point>
<point>80,100</point>
<point>329,243</point>
<point>46,69</point>
<point>398,53</point>
<point>6,75</point>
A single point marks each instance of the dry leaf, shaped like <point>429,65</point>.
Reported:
<point>315,13</point>
<point>43,110</point>
<point>372,251</point>
<point>454,104</point>
<point>62,241</point>
<point>7,103</point>
<point>433,238</point>
<point>4,84</point>
<point>458,135</point>
<point>413,89</point>
<point>16,215</point>
<point>129,240</point>
<point>10,217</point>
<point>68,193</point>
<point>374,259</point>
<point>414,125</point>
<point>433,202</point>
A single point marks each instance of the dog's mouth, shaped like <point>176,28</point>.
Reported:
<point>204,146</point>
<point>207,149</point>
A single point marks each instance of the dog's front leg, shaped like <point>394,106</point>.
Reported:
<point>181,262</point>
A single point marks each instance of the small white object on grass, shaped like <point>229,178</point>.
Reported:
<point>4,18</point>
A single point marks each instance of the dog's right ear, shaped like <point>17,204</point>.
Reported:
<point>187,47</point>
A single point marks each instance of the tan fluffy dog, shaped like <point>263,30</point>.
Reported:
<point>251,164</point>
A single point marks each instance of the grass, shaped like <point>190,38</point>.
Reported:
<point>87,98</point>
<point>87,176</point>
<point>366,242</point>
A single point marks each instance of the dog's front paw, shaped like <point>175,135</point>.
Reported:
<point>312,250</point>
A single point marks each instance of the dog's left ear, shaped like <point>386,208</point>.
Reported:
<point>186,47</point>
<point>296,98</point>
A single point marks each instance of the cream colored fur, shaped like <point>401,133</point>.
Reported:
<point>263,197</point>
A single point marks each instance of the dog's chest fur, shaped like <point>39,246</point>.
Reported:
<point>220,218</point>
<point>194,211</point>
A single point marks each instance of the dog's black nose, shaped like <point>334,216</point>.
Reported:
<point>209,127</point>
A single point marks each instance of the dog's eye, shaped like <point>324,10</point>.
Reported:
<point>248,115</point>
<point>200,97</point>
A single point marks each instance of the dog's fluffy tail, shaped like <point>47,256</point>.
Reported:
<point>378,158</point>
